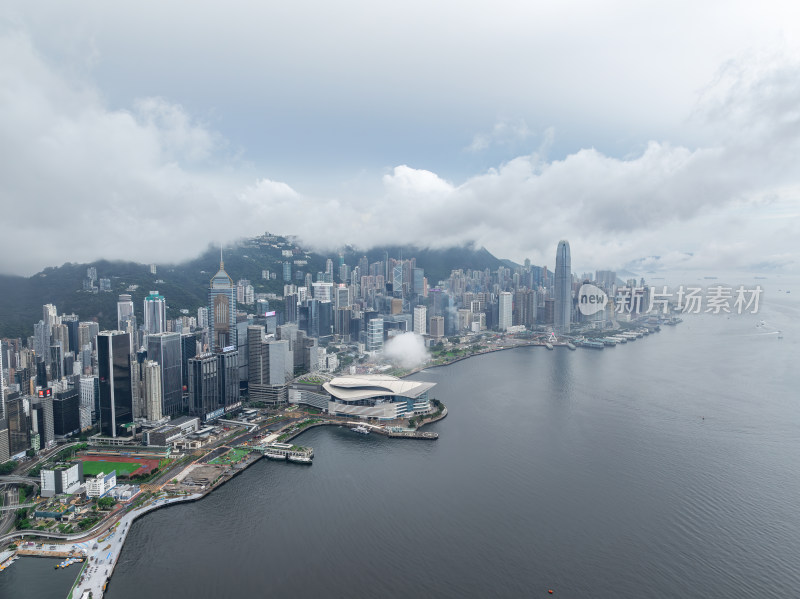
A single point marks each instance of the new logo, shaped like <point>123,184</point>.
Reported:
<point>591,299</point>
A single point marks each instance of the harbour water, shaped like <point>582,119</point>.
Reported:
<point>662,468</point>
<point>37,577</point>
<point>665,467</point>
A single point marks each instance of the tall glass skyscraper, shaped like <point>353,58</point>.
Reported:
<point>222,310</point>
<point>563,289</point>
<point>155,313</point>
<point>116,395</point>
<point>165,348</point>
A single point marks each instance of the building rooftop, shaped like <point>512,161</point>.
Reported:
<point>355,388</point>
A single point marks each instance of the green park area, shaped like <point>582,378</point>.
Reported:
<point>91,468</point>
<point>232,457</point>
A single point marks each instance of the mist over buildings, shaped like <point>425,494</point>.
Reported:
<point>406,350</point>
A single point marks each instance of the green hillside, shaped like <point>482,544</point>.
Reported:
<point>186,285</point>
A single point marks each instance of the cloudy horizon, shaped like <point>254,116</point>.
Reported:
<point>146,133</point>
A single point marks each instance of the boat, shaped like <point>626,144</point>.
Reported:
<point>570,346</point>
<point>360,429</point>
<point>609,341</point>
<point>548,345</point>
<point>300,459</point>
<point>274,456</point>
<point>593,344</point>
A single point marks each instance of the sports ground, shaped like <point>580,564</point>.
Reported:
<point>124,465</point>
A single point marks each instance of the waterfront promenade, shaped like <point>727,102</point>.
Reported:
<point>102,555</point>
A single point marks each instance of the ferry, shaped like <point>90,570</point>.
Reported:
<point>274,456</point>
<point>360,429</point>
<point>570,346</point>
<point>299,459</point>
<point>609,341</point>
<point>548,345</point>
<point>593,344</point>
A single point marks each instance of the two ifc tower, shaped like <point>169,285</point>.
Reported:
<point>563,289</point>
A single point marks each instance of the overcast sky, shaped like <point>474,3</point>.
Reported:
<point>146,131</point>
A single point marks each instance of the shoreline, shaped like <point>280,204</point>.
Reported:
<point>101,557</point>
<point>97,582</point>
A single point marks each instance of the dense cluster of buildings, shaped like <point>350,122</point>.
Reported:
<point>70,376</point>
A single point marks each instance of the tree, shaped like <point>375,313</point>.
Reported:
<point>106,503</point>
<point>8,467</point>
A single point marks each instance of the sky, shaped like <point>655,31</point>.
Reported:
<point>665,135</point>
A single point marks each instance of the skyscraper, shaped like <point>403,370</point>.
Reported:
<point>375,334</point>
<point>204,390</point>
<point>165,348</point>
<point>505,317</point>
<point>126,321</point>
<point>420,320</point>
<point>267,366</point>
<point>563,289</point>
<point>222,309</point>
<point>152,390</point>
<point>116,396</point>
<point>155,313</point>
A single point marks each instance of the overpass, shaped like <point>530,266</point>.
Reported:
<point>19,506</point>
<point>20,480</point>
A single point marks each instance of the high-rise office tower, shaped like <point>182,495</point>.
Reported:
<point>19,429</point>
<point>41,339</point>
<point>341,322</point>
<point>222,309</point>
<point>437,326</point>
<point>267,366</point>
<point>71,321</point>
<point>165,348</point>
<point>505,311</point>
<point>375,334</point>
<point>152,390</point>
<point>228,371</point>
<point>563,289</point>
<point>155,313</point>
<point>342,296</point>
<point>67,412</point>
<point>420,320</point>
<point>126,321</point>
<point>90,393</point>
<point>42,417</point>
<point>188,350</point>
<point>114,374</point>
<point>204,389</point>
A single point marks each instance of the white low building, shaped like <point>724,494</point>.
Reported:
<point>101,484</point>
<point>377,396</point>
<point>61,479</point>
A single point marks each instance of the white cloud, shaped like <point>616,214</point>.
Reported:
<point>81,180</point>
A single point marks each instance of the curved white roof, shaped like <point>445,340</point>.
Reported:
<point>355,388</point>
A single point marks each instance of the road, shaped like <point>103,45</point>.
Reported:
<point>10,495</point>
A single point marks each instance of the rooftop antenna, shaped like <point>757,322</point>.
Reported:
<point>221,263</point>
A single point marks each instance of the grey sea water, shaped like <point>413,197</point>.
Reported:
<point>666,467</point>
